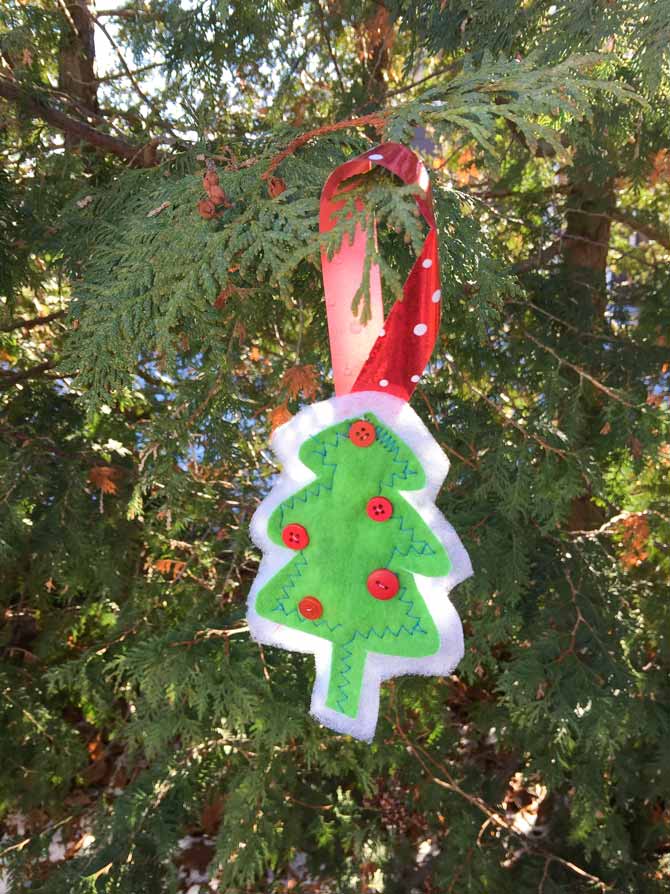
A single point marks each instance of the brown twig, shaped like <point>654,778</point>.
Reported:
<point>115,75</point>
<point>133,80</point>
<point>545,875</point>
<point>266,672</point>
<point>540,259</point>
<point>329,46</point>
<point>582,373</point>
<point>506,419</point>
<point>424,758</point>
<point>79,129</point>
<point>23,323</point>
<point>211,394</point>
<point>639,226</point>
<point>210,632</point>
<point>12,378</point>
<point>449,69</point>
<point>569,326</point>
<point>295,800</point>
<point>126,12</point>
<point>612,523</point>
<point>444,446</point>
<point>375,119</point>
<point>579,620</point>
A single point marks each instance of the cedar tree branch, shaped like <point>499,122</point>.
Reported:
<point>130,75</point>
<point>646,229</point>
<point>11,378</point>
<point>138,156</point>
<point>23,323</point>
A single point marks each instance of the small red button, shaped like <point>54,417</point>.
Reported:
<point>379,509</point>
<point>310,607</point>
<point>295,536</point>
<point>383,584</point>
<point>362,433</point>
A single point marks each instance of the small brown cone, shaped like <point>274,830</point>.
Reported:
<point>276,186</point>
<point>218,196</point>
<point>206,209</point>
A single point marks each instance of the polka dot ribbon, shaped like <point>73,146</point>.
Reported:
<point>387,355</point>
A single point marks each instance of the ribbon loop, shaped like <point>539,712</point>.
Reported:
<point>384,355</point>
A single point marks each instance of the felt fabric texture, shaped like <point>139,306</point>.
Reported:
<point>346,546</point>
<point>325,486</point>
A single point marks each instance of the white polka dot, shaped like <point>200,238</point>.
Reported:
<point>423,179</point>
<point>383,383</point>
<point>420,329</point>
<point>427,263</point>
<point>435,297</point>
<point>376,157</point>
<point>415,378</point>
<point>382,332</point>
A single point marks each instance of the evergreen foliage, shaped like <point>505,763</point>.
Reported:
<point>146,352</point>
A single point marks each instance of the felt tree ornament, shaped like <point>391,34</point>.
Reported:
<point>358,561</point>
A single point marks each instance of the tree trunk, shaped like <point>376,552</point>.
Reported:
<point>585,247</point>
<point>375,41</point>
<point>76,62</point>
<point>586,243</point>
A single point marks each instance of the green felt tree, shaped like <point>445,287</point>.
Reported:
<point>349,524</point>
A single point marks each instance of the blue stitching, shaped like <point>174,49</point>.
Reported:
<point>313,490</point>
<point>390,444</point>
<point>326,443</point>
<point>415,543</point>
<point>296,573</point>
<point>344,672</point>
<point>346,668</point>
<point>344,697</point>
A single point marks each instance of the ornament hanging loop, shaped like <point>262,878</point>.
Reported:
<point>383,355</point>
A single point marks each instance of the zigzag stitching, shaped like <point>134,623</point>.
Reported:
<point>387,631</point>
<point>390,444</point>
<point>426,548</point>
<point>406,600</point>
<point>386,439</point>
<point>323,623</point>
<point>332,440</point>
<point>296,573</point>
<point>344,672</point>
<point>412,548</point>
<point>312,491</point>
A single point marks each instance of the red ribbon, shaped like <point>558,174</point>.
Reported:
<point>384,355</point>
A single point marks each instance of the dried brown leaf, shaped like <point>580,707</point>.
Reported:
<point>635,536</point>
<point>301,380</point>
<point>279,415</point>
<point>104,478</point>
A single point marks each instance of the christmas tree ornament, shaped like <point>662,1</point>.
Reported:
<point>357,559</point>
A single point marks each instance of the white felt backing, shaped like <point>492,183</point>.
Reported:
<point>286,442</point>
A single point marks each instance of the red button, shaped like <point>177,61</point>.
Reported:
<point>310,608</point>
<point>383,584</point>
<point>362,433</point>
<point>295,536</point>
<point>379,509</point>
